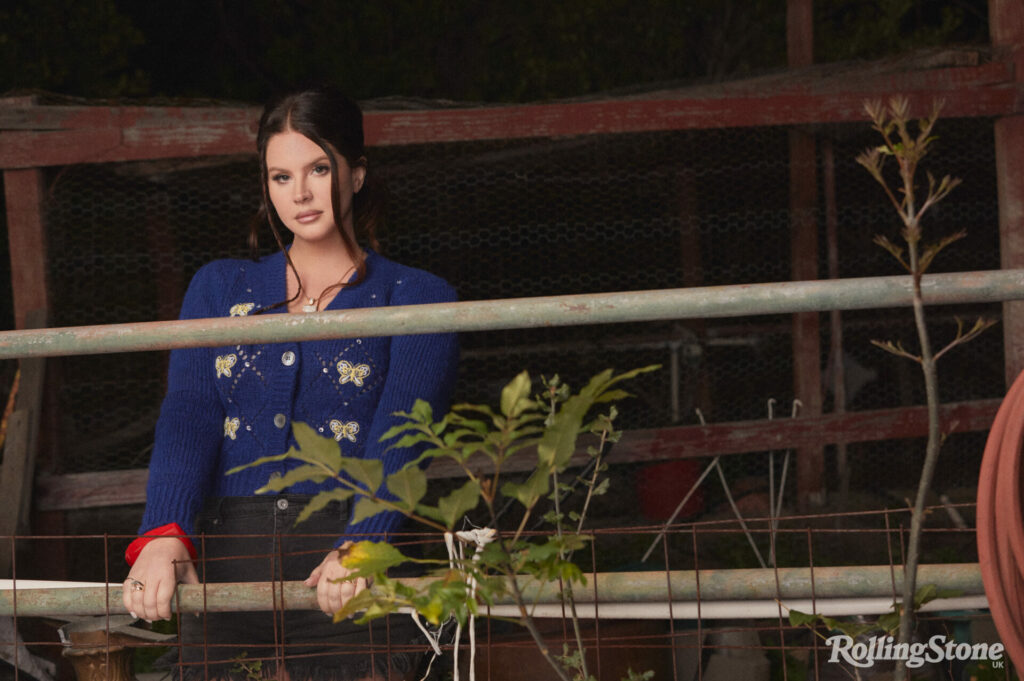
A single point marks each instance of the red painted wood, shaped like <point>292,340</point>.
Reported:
<point>43,136</point>
<point>1006,27</point>
<point>1009,141</point>
<point>23,191</point>
<point>1006,22</point>
<point>810,460</point>
<point>85,490</point>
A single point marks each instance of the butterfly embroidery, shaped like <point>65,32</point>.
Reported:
<point>241,309</point>
<point>344,430</point>
<point>355,373</point>
<point>231,427</point>
<point>224,364</point>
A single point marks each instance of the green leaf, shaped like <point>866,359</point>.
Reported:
<point>321,499</point>
<point>367,508</point>
<point>409,485</point>
<point>304,473</point>
<point>453,506</point>
<point>370,558</point>
<point>929,592</point>
<point>515,396</point>
<point>802,619</point>
<point>889,622</point>
<point>291,453</point>
<point>409,440</point>
<point>530,492</point>
<point>422,411</point>
<point>316,448</point>
<point>558,443</point>
<point>361,601</point>
<point>368,472</point>
<point>400,428</point>
<point>613,396</point>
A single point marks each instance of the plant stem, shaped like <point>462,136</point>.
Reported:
<point>930,459</point>
<point>567,586</point>
<point>525,619</point>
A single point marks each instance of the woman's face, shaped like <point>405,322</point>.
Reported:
<point>299,185</point>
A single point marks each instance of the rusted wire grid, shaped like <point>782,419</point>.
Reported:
<point>515,313</point>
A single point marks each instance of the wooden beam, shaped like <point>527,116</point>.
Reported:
<point>1006,27</point>
<point>803,204</point>
<point>85,490</point>
<point>23,191</point>
<point>45,136</point>
<point>17,471</point>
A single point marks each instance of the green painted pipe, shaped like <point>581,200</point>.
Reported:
<point>519,313</point>
<point>611,587</point>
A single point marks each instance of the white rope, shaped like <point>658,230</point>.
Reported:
<point>481,537</point>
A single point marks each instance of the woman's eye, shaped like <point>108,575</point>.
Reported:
<point>279,178</point>
<point>321,169</point>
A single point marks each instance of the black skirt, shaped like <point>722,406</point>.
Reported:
<point>244,645</point>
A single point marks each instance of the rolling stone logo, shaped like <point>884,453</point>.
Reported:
<point>884,648</point>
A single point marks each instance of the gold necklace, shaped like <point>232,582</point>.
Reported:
<point>314,303</point>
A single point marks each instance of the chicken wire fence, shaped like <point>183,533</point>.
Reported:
<point>512,218</point>
<point>729,621</point>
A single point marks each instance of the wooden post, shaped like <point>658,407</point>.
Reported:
<point>17,472</point>
<point>23,190</point>
<point>803,197</point>
<point>24,194</point>
<point>1006,26</point>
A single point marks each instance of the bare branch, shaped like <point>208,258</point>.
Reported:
<point>893,249</point>
<point>932,250</point>
<point>979,327</point>
<point>896,349</point>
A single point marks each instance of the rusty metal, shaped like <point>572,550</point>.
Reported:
<point>520,313</point>
<point>614,587</point>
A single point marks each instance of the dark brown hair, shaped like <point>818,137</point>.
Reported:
<point>335,124</point>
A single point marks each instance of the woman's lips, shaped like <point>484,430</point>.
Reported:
<point>308,216</point>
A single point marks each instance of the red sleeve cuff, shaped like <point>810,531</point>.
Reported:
<point>168,530</point>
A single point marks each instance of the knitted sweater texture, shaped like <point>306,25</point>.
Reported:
<point>231,405</point>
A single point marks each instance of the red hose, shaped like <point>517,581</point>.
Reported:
<point>1001,524</point>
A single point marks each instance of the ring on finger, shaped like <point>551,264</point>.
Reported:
<point>134,584</point>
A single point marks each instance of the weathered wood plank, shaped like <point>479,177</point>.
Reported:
<point>34,137</point>
<point>84,490</point>
<point>23,192</point>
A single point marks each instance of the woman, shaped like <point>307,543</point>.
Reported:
<point>228,406</point>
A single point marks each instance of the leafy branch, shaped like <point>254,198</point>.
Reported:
<point>546,426</point>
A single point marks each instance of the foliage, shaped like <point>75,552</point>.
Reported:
<point>80,47</point>
<point>546,426</point>
<point>856,30</point>
<point>455,49</point>
<point>888,623</point>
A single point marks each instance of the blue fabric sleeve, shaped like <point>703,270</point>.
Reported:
<point>191,423</point>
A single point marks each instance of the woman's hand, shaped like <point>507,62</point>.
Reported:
<point>150,584</point>
<point>332,595</point>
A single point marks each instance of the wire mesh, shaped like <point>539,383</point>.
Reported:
<point>541,216</point>
<point>759,643</point>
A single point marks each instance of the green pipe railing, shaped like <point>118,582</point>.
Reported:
<point>520,313</point>
<point>609,587</point>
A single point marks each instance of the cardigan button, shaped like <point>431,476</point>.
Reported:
<point>280,420</point>
<point>282,504</point>
<point>288,358</point>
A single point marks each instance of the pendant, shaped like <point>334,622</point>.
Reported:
<point>310,306</point>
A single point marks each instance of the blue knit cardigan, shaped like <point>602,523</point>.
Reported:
<point>230,405</point>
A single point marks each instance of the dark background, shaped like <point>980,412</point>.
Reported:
<point>464,50</point>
